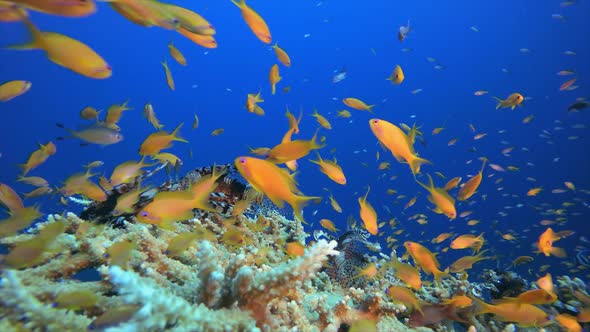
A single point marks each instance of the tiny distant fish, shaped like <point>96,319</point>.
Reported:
<point>566,72</point>
<point>407,49</point>
<point>497,168</point>
<point>416,91</point>
<point>558,17</point>
<point>525,50</point>
<point>474,29</point>
<point>578,106</point>
<point>403,32</point>
<point>505,70</point>
<point>569,53</point>
<point>480,92</point>
<point>429,59</point>
<point>307,35</point>
<point>567,84</point>
<point>339,76</point>
<point>440,67</point>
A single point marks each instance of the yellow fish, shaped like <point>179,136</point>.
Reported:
<point>67,52</point>
<point>169,79</point>
<point>12,89</point>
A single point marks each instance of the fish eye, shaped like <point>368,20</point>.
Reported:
<point>242,160</point>
<point>144,213</point>
<point>375,121</point>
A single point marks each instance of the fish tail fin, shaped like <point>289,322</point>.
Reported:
<point>239,3</point>
<point>500,102</point>
<point>370,108</point>
<point>438,275</point>
<point>420,183</point>
<point>299,202</point>
<point>558,252</point>
<point>36,43</point>
<point>317,162</point>
<point>416,162</point>
<point>24,168</point>
<point>481,307</point>
<point>175,136</point>
<point>314,144</point>
<point>483,165</point>
<point>273,88</point>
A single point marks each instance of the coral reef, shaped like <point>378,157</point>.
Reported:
<point>223,272</point>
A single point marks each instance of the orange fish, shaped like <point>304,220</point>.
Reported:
<point>12,89</point>
<point>442,237</point>
<point>534,191</point>
<point>397,76</point>
<point>9,198</point>
<point>335,204</point>
<point>357,104</point>
<point>568,322</point>
<point>160,140</point>
<point>254,21</point>
<point>293,150</point>
<point>400,144</point>
<point>115,111</point>
<point>176,54</point>
<point>202,40</point>
<point>274,77</point>
<point>19,219</point>
<point>38,157</point>
<point>67,52</point>
<point>331,169</point>
<point>525,315</point>
<point>147,13</point>
<point>512,101</point>
<point>282,55</point>
<point>545,244</point>
<point>169,79</point>
<point>468,241</point>
<point>329,225</point>
<point>425,259</point>
<point>404,296</point>
<point>469,188</point>
<point>11,12</point>
<point>453,183</point>
<point>322,120</point>
<point>70,8</point>
<point>188,20</point>
<point>368,214</point>
<point>466,262</point>
<point>170,206</point>
<point>406,273</point>
<point>444,203</point>
<point>274,182</point>
<point>535,296</point>
<point>127,172</point>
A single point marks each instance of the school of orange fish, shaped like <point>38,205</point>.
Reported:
<point>264,172</point>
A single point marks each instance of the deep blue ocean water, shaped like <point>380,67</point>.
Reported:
<point>321,37</point>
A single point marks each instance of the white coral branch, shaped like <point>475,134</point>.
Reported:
<point>164,310</point>
<point>269,284</point>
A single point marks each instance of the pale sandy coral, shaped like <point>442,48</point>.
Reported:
<point>162,309</point>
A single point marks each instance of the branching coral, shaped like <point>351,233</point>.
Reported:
<point>162,309</point>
